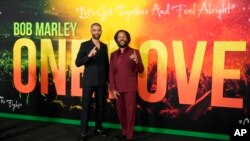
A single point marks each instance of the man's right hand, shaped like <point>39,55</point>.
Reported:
<point>115,94</point>
<point>92,52</point>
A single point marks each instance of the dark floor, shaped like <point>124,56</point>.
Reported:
<point>24,130</point>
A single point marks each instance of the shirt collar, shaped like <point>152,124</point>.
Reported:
<point>125,50</point>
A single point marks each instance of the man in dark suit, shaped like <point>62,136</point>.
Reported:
<point>125,64</point>
<point>93,55</point>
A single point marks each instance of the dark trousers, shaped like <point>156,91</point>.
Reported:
<point>100,92</point>
<point>126,108</point>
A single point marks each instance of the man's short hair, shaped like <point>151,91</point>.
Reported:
<point>95,24</point>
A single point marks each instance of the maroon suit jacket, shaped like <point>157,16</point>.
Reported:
<point>123,71</point>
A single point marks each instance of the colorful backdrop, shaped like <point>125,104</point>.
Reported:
<point>196,55</point>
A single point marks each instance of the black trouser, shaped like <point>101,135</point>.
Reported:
<point>100,92</point>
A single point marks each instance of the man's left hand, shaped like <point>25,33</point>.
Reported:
<point>134,57</point>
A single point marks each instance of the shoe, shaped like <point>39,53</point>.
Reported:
<point>120,137</point>
<point>83,137</point>
<point>101,133</point>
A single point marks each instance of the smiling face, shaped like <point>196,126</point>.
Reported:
<point>96,31</point>
<point>122,40</point>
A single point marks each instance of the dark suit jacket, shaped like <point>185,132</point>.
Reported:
<point>123,71</point>
<point>96,67</point>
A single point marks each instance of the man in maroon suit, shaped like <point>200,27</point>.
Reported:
<point>125,63</point>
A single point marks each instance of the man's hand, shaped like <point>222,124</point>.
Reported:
<point>115,94</point>
<point>92,52</point>
<point>134,57</point>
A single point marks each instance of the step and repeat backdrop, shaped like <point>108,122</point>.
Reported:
<point>196,56</point>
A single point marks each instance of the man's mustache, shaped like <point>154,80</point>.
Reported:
<point>122,40</point>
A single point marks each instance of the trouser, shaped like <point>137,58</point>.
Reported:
<point>126,108</point>
<point>100,92</point>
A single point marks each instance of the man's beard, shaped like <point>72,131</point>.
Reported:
<point>122,45</point>
<point>96,36</point>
